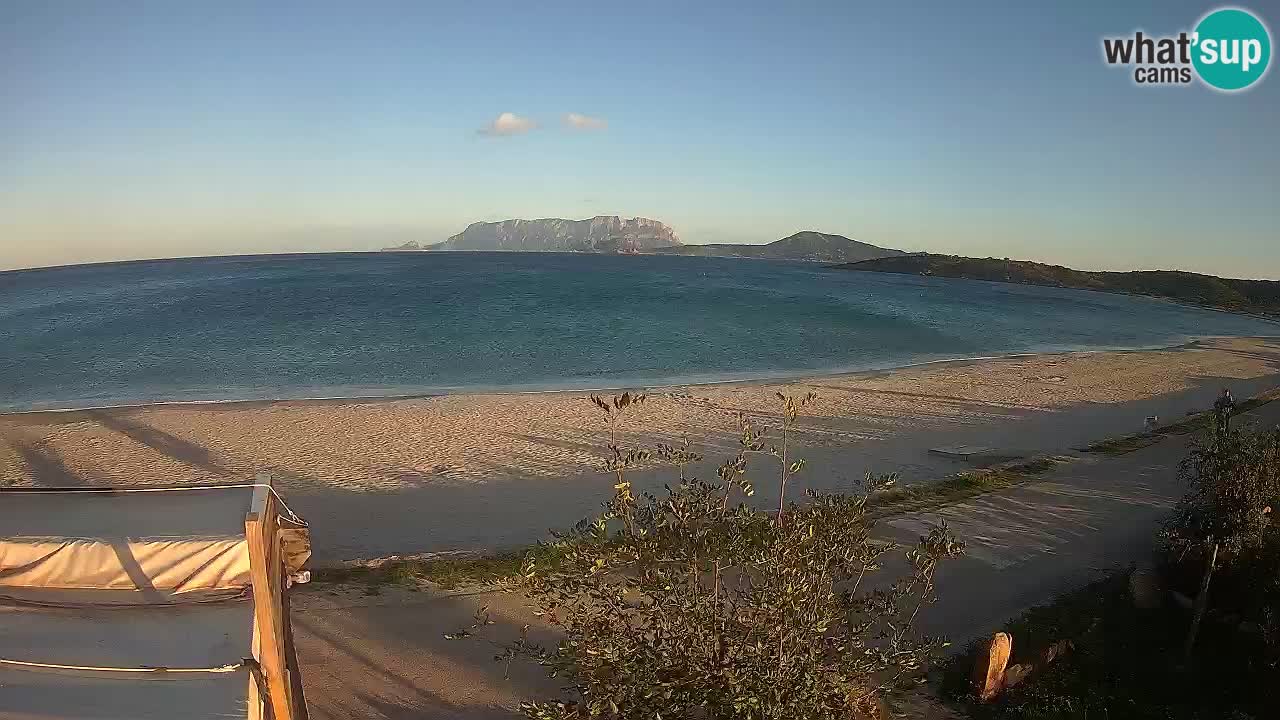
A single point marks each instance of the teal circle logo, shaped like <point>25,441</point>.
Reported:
<point>1231,49</point>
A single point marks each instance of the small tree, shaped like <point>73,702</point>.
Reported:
<point>1225,520</point>
<point>696,605</point>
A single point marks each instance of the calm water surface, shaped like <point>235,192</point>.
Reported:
<point>388,324</point>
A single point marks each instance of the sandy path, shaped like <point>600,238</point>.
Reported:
<point>385,476</point>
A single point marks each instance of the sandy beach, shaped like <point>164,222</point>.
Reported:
<point>463,471</point>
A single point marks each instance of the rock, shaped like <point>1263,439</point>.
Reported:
<point>1017,673</point>
<point>1055,651</point>
<point>1144,588</point>
<point>988,672</point>
<point>601,234</point>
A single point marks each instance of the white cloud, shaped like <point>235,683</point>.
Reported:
<point>508,124</point>
<point>577,121</point>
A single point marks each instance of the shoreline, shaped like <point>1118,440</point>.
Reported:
<point>1273,316</point>
<point>378,476</point>
<point>648,385</point>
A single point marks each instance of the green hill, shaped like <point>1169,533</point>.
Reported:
<point>807,245</point>
<point>1254,296</point>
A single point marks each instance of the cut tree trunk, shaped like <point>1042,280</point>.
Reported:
<point>1202,602</point>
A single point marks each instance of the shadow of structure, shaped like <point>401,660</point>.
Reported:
<point>387,657</point>
<point>134,570</point>
<point>165,443</point>
<point>42,465</point>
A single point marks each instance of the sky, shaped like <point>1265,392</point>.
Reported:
<point>135,130</point>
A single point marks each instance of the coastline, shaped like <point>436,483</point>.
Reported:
<point>480,471</point>
<point>1272,315</point>
<point>641,384</point>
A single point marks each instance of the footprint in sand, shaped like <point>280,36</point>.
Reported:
<point>1054,379</point>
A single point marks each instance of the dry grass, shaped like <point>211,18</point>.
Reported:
<point>1122,445</point>
<point>960,486</point>
<point>445,571</point>
<point>453,571</point>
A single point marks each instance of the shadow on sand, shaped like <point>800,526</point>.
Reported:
<point>386,657</point>
<point>43,466</point>
<point>168,444</point>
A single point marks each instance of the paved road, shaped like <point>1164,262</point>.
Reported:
<point>385,656</point>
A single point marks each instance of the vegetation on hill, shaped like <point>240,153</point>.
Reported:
<point>1256,296</point>
<point>806,245</point>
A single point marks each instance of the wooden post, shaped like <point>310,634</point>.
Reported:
<point>1202,602</point>
<point>299,698</point>
<point>265,568</point>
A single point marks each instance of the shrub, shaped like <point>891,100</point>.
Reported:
<point>1224,529</point>
<point>1234,481</point>
<point>697,605</point>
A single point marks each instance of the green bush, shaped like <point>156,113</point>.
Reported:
<point>1223,534</point>
<point>696,604</point>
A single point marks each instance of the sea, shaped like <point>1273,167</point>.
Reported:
<point>405,324</point>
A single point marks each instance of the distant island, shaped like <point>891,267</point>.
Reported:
<point>614,234</point>
<point>600,234</point>
<point>1251,296</point>
<point>807,245</point>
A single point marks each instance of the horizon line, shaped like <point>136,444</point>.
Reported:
<point>392,252</point>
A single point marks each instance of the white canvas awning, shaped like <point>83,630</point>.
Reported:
<point>195,636</point>
<point>152,569</point>
<point>139,604</point>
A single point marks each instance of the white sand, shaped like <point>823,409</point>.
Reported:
<point>468,470</point>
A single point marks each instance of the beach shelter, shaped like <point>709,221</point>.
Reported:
<point>134,604</point>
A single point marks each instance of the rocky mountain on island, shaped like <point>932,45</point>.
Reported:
<point>806,245</point>
<point>600,234</point>
<point>614,234</point>
<point>410,246</point>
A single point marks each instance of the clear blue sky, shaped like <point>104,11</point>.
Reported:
<point>166,129</point>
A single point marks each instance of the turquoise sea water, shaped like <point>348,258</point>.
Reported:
<point>391,324</point>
